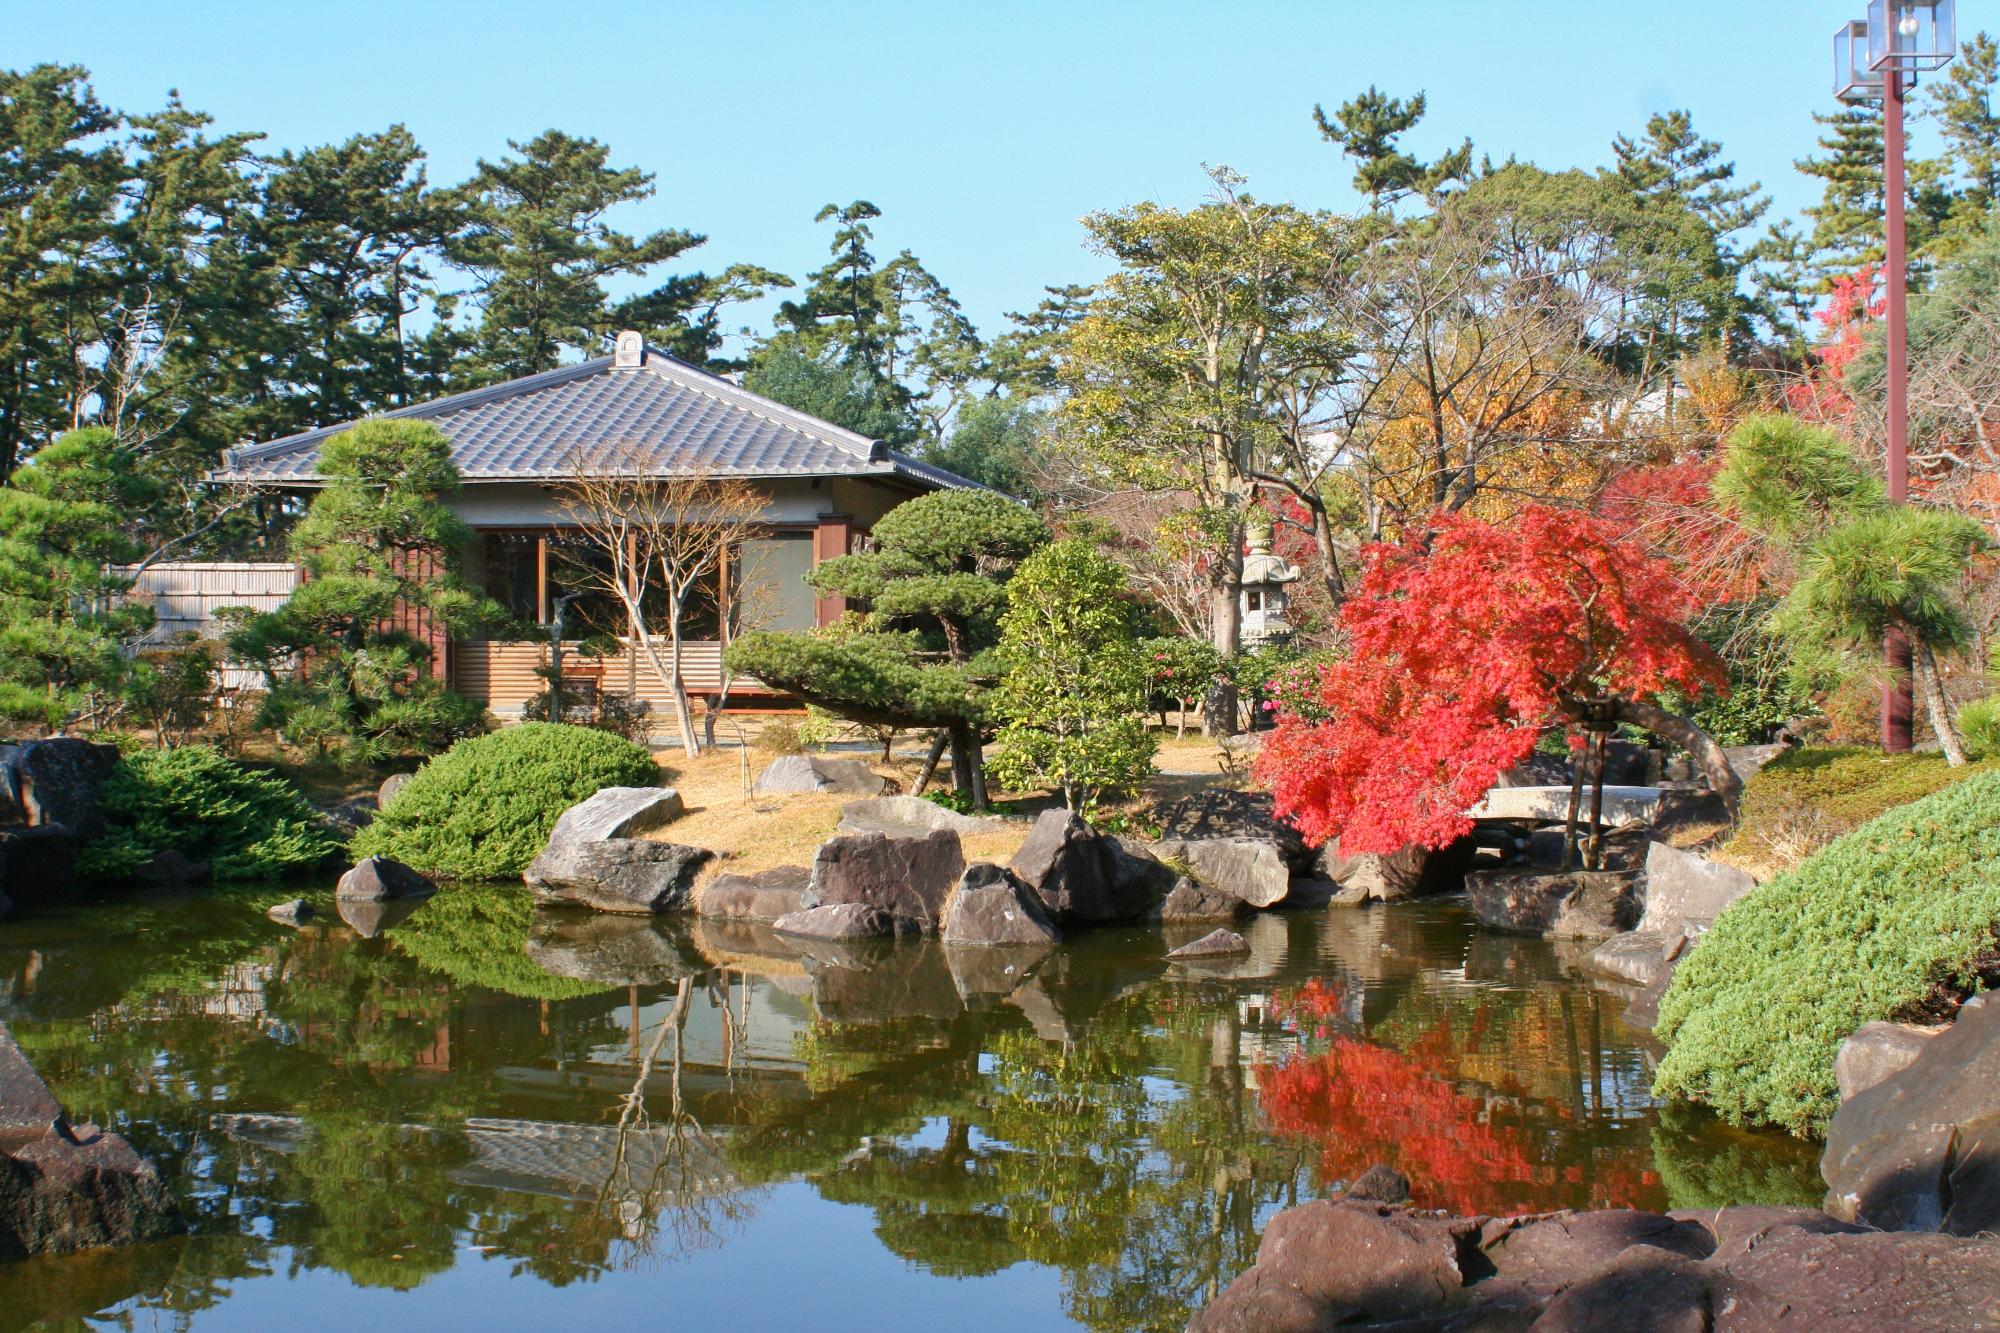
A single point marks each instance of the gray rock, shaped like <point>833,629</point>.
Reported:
<point>1921,1149</point>
<point>352,815</point>
<point>1877,1051</point>
<point>1579,904</point>
<point>1378,1184</point>
<point>40,864</point>
<point>1080,875</point>
<point>910,817</point>
<point>612,950</point>
<point>294,913</point>
<point>392,784</point>
<point>56,781</point>
<point>1685,891</point>
<point>1747,761</point>
<point>1215,944</point>
<point>991,906</point>
<point>1641,957</point>
<point>907,877</point>
<point>376,878</point>
<point>1192,901</point>
<point>616,812</point>
<point>818,773</point>
<point>1226,813</point>
<point>169,869</point>
<point>1255,871</point>
<point>1138,880</point>
<point>764,896</point>
<point>839,921</point>
<point>1371,876</point>
<point>69,1187</point>
<point>617,874</point>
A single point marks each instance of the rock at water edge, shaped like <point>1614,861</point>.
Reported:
<point>376,878</point>
<point>992,907</point>
<point>908,878</point>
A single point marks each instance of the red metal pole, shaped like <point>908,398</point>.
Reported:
<point>1898,705</point>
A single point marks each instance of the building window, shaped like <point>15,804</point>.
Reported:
<point>509,571</point>
<point>771,582</point>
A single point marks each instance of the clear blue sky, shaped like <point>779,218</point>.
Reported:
<point>982,132</point>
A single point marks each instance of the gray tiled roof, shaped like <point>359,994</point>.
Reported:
<point>682,418</point>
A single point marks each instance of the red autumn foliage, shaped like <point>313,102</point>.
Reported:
<point>1466,641</point>
<point>1821,396</point>
<point>1668,507</point>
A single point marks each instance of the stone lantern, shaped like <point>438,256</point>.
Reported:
<point>1266,588</point>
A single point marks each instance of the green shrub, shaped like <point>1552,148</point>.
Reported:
<point>1865,929</point>
<point>1979,725</point>
<point>1804,799</point>
<point>193,800</point>
<point>484,808</point>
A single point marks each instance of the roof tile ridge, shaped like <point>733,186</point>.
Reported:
<point>727,391</point>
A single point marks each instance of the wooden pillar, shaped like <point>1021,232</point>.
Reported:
<point>831,539</point>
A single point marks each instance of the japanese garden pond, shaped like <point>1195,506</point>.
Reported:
<point>420,1126</point>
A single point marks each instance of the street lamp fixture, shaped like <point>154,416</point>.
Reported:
<point>1877,59</point>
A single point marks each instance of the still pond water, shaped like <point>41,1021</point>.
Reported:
<point>471,1117</point>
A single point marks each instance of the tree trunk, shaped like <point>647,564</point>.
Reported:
<point>1575,805</point>
<point>1708,756</point>
<point>1594,856</point>
<point>1930,683</point>
<point>929,769</point>
<point>961,762</point>
<point>1225,602</point>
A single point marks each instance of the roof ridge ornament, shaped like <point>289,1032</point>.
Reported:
<point>629,351</point>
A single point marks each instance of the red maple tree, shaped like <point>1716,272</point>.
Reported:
<point>1466,641</point>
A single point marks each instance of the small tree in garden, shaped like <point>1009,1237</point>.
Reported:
<point>65,517</point>
<point>379,550</point>
<point>921,654</point>
<point>664,542</point>
<point>1074,690</point>
<point>1183,670</point>
<point>1466,642</point>
<point>1898,569</point>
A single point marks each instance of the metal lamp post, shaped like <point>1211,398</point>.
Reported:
<point>1878,59</point>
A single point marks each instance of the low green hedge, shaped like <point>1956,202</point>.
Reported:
<point>1864,929</point>
<point>196,801</point>
<point>484,808</point>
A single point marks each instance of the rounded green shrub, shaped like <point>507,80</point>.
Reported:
<point>484,808</point>
<point>196,801</point>
<point>1868,928</point>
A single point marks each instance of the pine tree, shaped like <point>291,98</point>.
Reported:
<point>1962,106</point>
<point>1673,161</point>
<point>1369,128</point>
<point>535,240</point>
<point>1847,221</point>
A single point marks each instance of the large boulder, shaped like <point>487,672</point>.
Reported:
<point>68,1187</point>
<point>611,950</point>
<point>991,906</point>
<point>1640,957</point>
<point>1343,1263</point>
<point>840,921</point>
<point>1063,863</point>
<point>907,877</point>
<point>1875,1052</point>
<point>38,865</point>
<point>818,773</point>
<point>377,878</point>
<point>1921,1149</point>
<point>1224,812</point>
<point>764,896</point>
<point>1686,892</point>
<point>1578,904</point>
<point>55,781</point>
<point>1371,876</point>
<point>617,875</point>
<point>910,817</point>
<point>618,812</point>
<point>1253,870</point>
<point>1191,902</point>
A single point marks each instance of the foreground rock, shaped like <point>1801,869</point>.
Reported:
<point>65,1187</point>
<point>1215,944</point>
<point>1193,902</point>
<point>1685,892</point>
<point>909,878</point>
<point>764,896</point>
<point>910,817</point>
<point>1921,1149</point>
<point>1366,877</point>
<point>1080,875</point>
<point>1250,869</point>
<point>1578,904</point>
<point>1348,1263</point>
<point>595,859</point>
<point>1224,812</point>
<point>1877,1052</point>
<point>841,921</point>
<point>618,875</point>
<point>991,906</point>
<point>377,879</point>
<point>55,781</point>
<point>818,773</point>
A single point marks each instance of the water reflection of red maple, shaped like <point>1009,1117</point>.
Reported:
<point>1461,1150</point>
